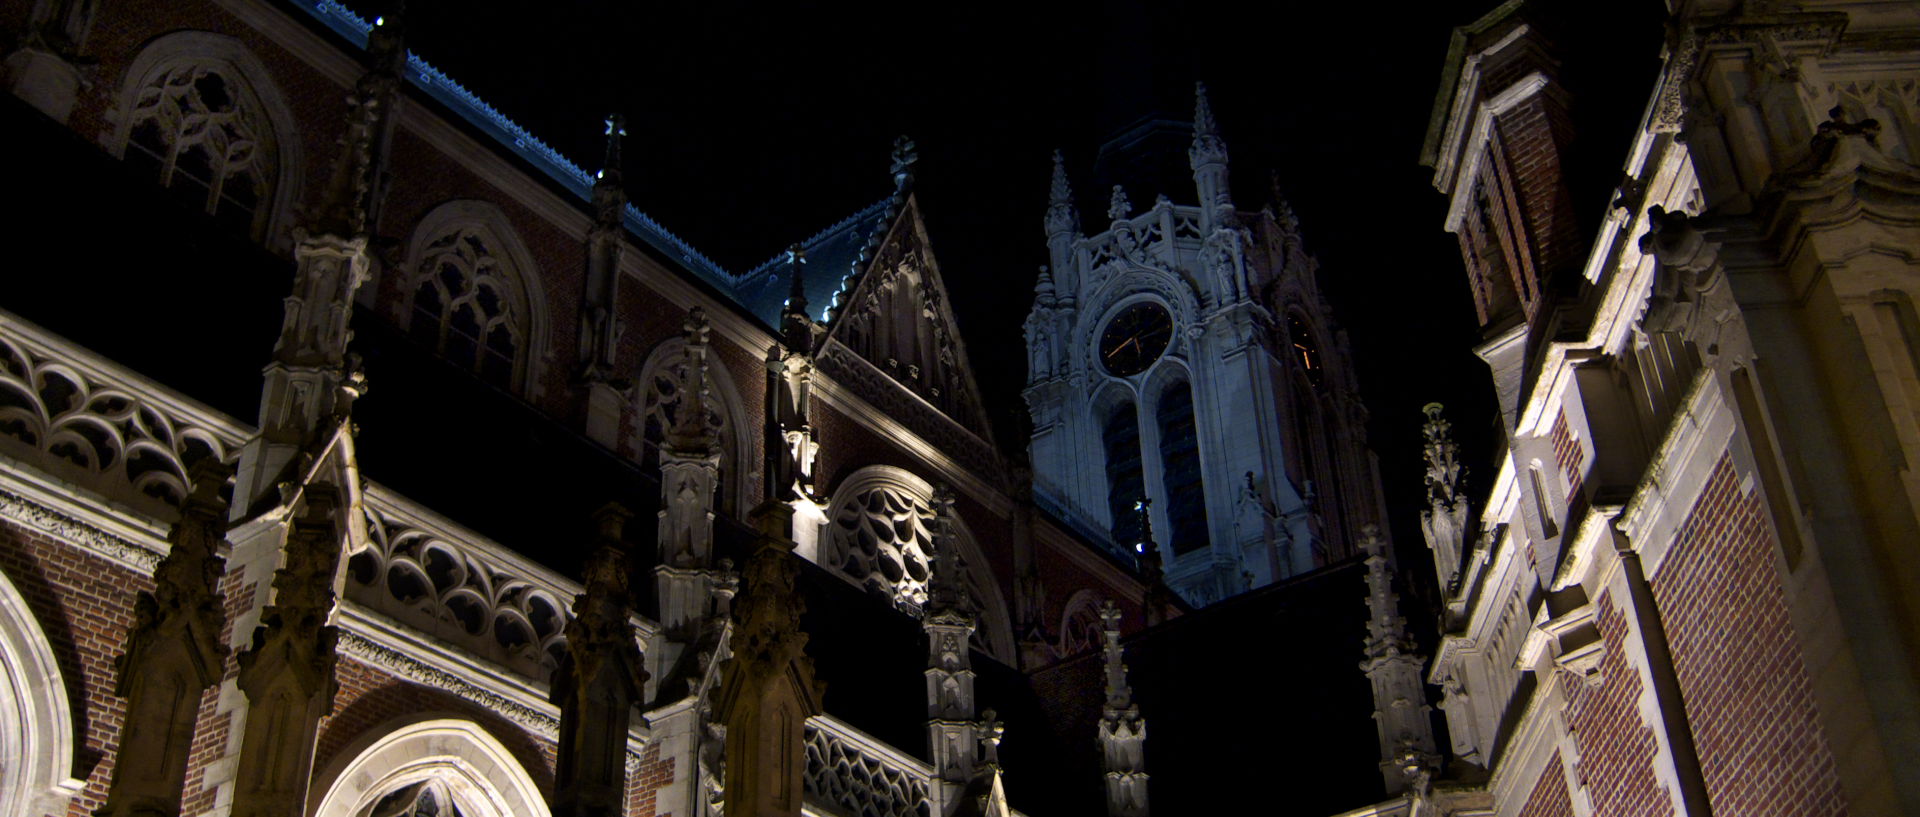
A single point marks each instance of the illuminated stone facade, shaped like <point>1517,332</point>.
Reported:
<point>1183,354</point>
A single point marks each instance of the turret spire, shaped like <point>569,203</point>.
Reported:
<point>1208,158</point>
<point>1061,216</point>
<point>1117,206</point>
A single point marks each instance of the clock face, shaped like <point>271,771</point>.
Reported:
<point>1135,338</point>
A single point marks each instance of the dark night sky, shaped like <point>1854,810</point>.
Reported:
<point>755,125</point>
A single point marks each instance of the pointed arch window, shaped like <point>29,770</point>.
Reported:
<point>199,129</point>
<point>463,306</point>
<point>1180,468</point>
<point>1125,481</point>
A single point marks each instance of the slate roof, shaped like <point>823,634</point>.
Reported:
<point>834,257</point>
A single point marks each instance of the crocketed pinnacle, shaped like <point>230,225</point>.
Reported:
<point>1207,148</point>
<point>1061,215</point>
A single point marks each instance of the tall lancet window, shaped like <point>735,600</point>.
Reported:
<point>1125,484</point>
<point>1180,466</point>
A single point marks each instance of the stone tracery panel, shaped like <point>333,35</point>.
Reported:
<point>880,536</point>
<point>466,592</point>
<point>857,778</point>
<point>84,418</point>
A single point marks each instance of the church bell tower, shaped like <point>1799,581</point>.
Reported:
<point>1183,354</point>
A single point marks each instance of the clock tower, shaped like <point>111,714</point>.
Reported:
<point>1183,354</point>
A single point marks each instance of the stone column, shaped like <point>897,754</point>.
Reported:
<point>174,652</point>
<point>601,677</point>
<point>1123,733</point>
<point>288,673</point>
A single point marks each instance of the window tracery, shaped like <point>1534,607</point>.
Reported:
<point>463,306</point>
<point>197,127</point>
<point>427,798</point>
<point>1081,629</point>
<point>880,536</point>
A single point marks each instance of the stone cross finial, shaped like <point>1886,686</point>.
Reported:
<point>1118,207</point>
<point>610,165</point>
<point>991,733</point>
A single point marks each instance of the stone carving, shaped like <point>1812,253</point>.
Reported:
<point>27,513</point>
<point>402,665</point>
<point>350,206</point>
<point>1444,521</point>
<point>599,329</point>
<point>861,783</point>
<point>173,652</point>
<point>769,688</point>
<point>288,672</point>
<point>1122,733</point>
<point>600,678</point>
<point>449,588</point>
<point>1061,215</point>
<point>843,366</point>
<point>127,441</point>
<point>881,537</point>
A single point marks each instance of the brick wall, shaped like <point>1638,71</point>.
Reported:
<point>1568,453</point>
<point>212,732</point>
<point>1739,663</point>
<point>1616,746</point>
<point>83,604</point>
<point>1549,797</point>
<point>645,783</point>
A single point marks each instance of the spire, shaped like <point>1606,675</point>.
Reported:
<point>1208,158</point>
<point>1122,732</point>
<point>1062,217</point>
<point>796,324</point>
<point>600,327</point>
<point>1118,207</point>
<point>1444,521</point>
<point>1207,148</point>
<point>905,156</point>
<point>349,206</point>
<point>1393,666</point>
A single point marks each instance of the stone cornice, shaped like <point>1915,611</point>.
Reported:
<point>33,502</point>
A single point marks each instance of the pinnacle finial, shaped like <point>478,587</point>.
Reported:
<point>1061,215</point>
<point>1119,694</point>
<point>1442,457</point>
<point>616,130</point>
<point>945,592</point>
<point>1118,207</point>
<point>1208,148</point>
<point>386,42</point>
<point>905,156</point>
<point>693,430</point>
<point>797,288</point>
